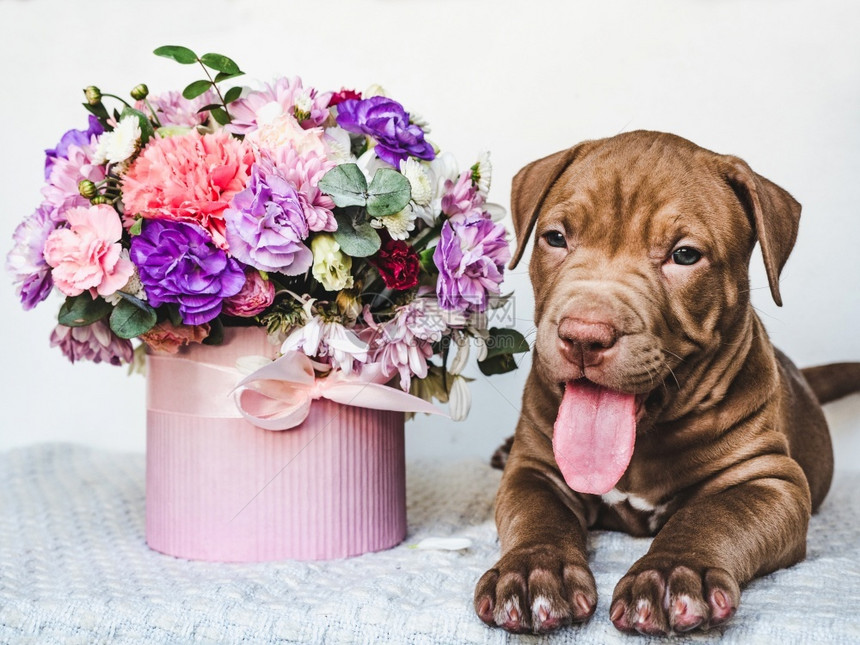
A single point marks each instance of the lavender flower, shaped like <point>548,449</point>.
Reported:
<point>471,256</point>
<point>266,224</point>
<point>387,122</point>
<point>26,260</point>
<point>179,264</point>
<point>95,342</point>
<point>79,138</point>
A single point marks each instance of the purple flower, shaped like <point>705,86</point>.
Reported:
<point>471,256</point>
<point>26,260</point>
<point>72,137</point>
<point>95,342</point>
<point>178,263</point>
<point>266,224</point>
<point>387,122</point>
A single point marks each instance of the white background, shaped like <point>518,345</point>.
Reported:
<point>777,83</point>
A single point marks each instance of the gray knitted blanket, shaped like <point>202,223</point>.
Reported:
<point>74,568</point>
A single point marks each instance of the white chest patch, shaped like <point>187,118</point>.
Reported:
<point>656,512</point>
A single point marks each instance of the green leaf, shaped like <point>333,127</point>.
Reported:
<point>501,364</point>
<point>356,240</point>
<point>136,227</point>
<point>216,333</point>
<point>195,89</point>
<point>505,341</point>
<point>132,317</point>
<point>220,63</point>
<point>82,310</point>
<point>425,257</point>
<point>389,193</point>
<point>232,94</point>
<point>346,185</point>
<point>223,76</point>
<point>173,314</point>
<point>178,53</point>
<point>99,111</point>
<point>220,115</point>
<point>211,106</point>
<point>146,131</point>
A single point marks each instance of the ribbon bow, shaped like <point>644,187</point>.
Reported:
<point>278,396</point>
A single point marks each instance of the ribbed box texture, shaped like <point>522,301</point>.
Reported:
<point>222,489</point>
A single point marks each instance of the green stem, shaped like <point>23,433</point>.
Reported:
<point>152,111</point>
<point>215,86</point>
<point>120,99</point>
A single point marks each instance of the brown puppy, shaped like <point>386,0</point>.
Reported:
<point>656,404</point>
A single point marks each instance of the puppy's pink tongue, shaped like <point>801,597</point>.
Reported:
<point>594,435</point>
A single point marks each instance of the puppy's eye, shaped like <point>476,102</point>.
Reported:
<point>686,256</point>
<point>556,239</point>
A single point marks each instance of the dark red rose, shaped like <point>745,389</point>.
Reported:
<point>343,95</point>
<point>397,263</point>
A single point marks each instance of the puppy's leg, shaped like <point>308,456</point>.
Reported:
<point>745,525</point>
<point>542,580</point>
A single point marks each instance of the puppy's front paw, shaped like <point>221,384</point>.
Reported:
<point>675,598</point>
<point>535,589</point>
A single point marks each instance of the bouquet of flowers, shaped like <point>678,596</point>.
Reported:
<point>326,217</point>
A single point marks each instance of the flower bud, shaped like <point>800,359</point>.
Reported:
<point>101,199</point>
<point>93,94</point>
<point>139,92</point>
<point>348,303</point>
<point>87,189</point>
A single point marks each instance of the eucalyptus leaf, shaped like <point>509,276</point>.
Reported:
<point>195,89</point>
<point>220,115</point>
<point>358,240</point>
<point>132,317</point>
<point>178,53</point>
<point>82,310</point>
<point>232,94</point>
<point>389,193</point>
<point>220,63</point>
<point>346,185</point>
<point>146,131</point>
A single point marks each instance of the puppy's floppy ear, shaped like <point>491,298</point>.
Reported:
<point>774,213</point>
<point>529,189</point>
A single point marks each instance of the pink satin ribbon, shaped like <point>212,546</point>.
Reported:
<point>277,396</point>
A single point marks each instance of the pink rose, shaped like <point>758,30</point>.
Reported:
<point>164,337</point>
<point>253,299</point>
<point>87,254</point>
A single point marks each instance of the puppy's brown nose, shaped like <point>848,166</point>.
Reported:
<point>583,342</point>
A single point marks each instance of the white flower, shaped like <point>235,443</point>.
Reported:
<point>373,90</point>
<point>420,180</point>
<point>134,287</point>
<point>328,340</point>
<point>117,145</point>
<point>338,144</point>
<point>462,355</point>
<point>304,103</point>
<point>459,398</point>
<point>369,163</point>
<point>482,174</point>
<point>331,266</point>
<point>417,119</point>
<point>398,225</point>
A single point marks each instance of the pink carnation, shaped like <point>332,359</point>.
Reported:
<point>304,173</point>
<point>95,342</point>
<point>172,108</point>
<point>61,193</point>
<point>253,299</point>
<point>463,197</point>
<point>87,254</point>
<point>284,96</point>
<point>189,178</point>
